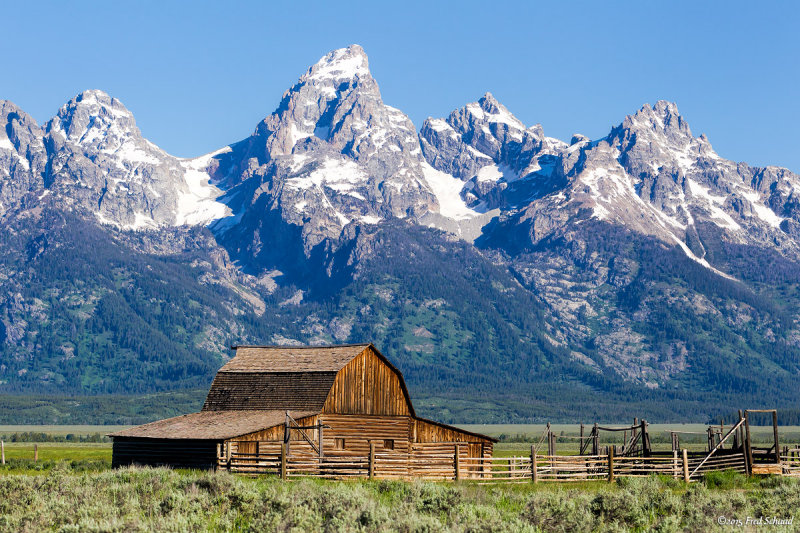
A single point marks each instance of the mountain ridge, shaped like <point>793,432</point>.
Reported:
<point>337,221</point>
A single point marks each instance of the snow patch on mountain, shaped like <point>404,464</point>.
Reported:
<point>447,190</point>
<point>197,203</point>
<point>713,203</point>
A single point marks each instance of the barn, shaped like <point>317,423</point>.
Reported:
<point>320,401</point>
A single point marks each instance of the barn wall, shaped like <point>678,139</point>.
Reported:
<point>182,453</point>
<point>367,386</point>
<point>274,435</point>
<point>356,430</point>
<point>429,435</point>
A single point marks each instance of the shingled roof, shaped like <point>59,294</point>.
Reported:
<point>292,358</point>
<point>211,425</point>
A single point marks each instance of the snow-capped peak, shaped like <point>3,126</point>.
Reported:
<point>341,64</point>
<point>93,118</point>
<point>488,109</point>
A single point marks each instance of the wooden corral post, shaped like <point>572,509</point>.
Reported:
<point>35,453</point>
<point>740,432</point>
<point>319,428</point>
<point>283,461</point>
<point>534,470</point>
<point>748,449</point>
<point>775,432</point>
<point>457,463</point>
<point>595,441</point>
<point>610,464</point>
<point>675,463</point>
<point>580,446</point>
<point>685,466</point>
<point>372,459</point>
<point>3,451</point>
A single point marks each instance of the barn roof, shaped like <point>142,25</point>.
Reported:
<point>284,377</point>
<point>212,425</point>
<point>292,358</point>
<point>305,391</point>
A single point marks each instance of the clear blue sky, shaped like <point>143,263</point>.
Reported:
<point>200,75</point>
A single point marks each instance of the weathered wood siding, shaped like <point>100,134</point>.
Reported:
<point>359,431</point>
<point>429,433</point>
<point>367,386</point>
<point>356,430</point>
<point>274,435</point>
<point>180,453</point>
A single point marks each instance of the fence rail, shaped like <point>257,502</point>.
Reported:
<point>417,464</point>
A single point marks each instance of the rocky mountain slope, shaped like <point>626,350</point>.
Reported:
<point>500,268</point>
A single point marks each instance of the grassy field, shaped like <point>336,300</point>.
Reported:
<point>56,451</point>
<point>72,488</point>
<point>67,499</point>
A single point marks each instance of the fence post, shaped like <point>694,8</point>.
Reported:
<point>610,464</point>
<point>457,463</point>
<point>371,460</point>
<point>534,470</point>
<point>3,451</point>
<point>685,466</point>
<point>283,461</point>
<point>35,453</point>
<point>675,463</point>
<point>775,431</point>
<point>748,444</point>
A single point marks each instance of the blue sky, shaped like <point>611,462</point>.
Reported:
<point>199,75</point>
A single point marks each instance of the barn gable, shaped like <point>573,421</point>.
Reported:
<point>369,385</point>
<point>350,379</point>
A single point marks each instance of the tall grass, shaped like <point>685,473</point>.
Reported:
<point>146,499</point>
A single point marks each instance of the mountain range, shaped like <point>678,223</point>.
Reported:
<point>511,276</point>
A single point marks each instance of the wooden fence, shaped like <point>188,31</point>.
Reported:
<point>458,466</point>
<point>790,462</point>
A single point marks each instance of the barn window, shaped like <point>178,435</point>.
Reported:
<point>388,444</point>
<point>339,444</point>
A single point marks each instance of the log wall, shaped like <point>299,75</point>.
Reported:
<point>178,453</point>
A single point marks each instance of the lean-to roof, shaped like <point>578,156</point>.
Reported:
<point>212,425</point>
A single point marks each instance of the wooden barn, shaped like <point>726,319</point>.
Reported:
<point>320,401</point>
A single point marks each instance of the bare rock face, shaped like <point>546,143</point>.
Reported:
<point>23,158</point>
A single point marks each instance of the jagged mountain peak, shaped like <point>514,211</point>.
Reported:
<point>345,63</point>
<point>663,118</point>
<point>489,110</point>
<point>94,120</point>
